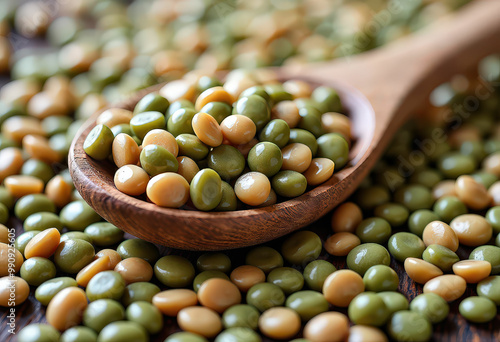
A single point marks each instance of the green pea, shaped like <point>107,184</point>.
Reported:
<point>206,190</point>
<point>191,146</point>
<point>394,301</point>
<point>453,164</point>
<point>289,183</point>
<point>409,326</point>
<point>37,270</point>
<point>174,106</point>
<point>255,107</point>
<point>104,233</point>
<point>75,235</point>
<point>478,309</point>
<point>490,288</point>
<point>366,255</point>
<point>288,279</point>
<point>368,309</point>
<point>307,304</point>
<point>227,161</point>
<point>327,99</point>
<point>140,291</point>
<point>380,278</point>
<point>256,90</point>
<point>228,201</point>
<point>205,275</point>
<point>374,229</point>
<point>123,331</point>
<point>106,285</point>
<point>430,305</point>
<point>310,120</point>
<point>102,312</point>
<point>207,82</point>
<point>265,258</point>
<point>242,316</point>
<point>8,110</point>
<point>265,296</point>
<point>419,219</point>
<point>185,337</point>
<point>333,146</point>
<point>78,215</point>
<point>405,245</point>
<point>238,334</point>
<point>122,128</point>
<point>214,262</point>
<point>277,132</point>
<point>414,197</point>
<point>493,218</point>
<point>440,256</point>
<point>426,177</point>
<point>492,146</point>
<point>180,122</point>
<point>174,271</point>
<point>38,333</point>
<point>31,204</point>
<point>449,207</point>
<point>485,178</point>
<point>302,136</point>
<point>73,255</point>
<point>152,102</point>
<point>138,248</point>
<point>144,122</point>
<point>48,289</point>
<point>98,143</point>
<point>147,315</point>
<point>38,169</point>
<point>371,197</point>
<point>4,214</point>
<point>56,124</point>
<point>60,143</point>
<point>473,149</point>
<point>41,221</point>
<point>277,93</point>
<point>219,110</point>
<point>23,239</point>
<point>301,247</point>
<point>266,158</point>
<point>79,334</point>
<point>490,254</point>
<point>395,214</point>
<point>157,159</point>
<point>316,272</point>
<point>6,198</point>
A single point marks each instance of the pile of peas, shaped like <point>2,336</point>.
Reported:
<point>252,140</point>
<point>114,47</point>
<point>431,209</point>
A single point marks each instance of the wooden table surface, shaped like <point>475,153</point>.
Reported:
<point>454,328</point>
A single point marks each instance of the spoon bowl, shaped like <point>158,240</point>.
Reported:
<point>379,89</point>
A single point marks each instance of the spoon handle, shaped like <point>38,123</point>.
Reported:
<point>398,79</point>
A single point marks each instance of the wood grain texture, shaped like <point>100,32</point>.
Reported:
<point>380,89</point>
<point>454,328</point>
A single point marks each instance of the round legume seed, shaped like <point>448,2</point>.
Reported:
<point>65,310</point>
<point>333,326</point>
<point>346,218</point>
<point>473,194</point>
<point>170,302</point>
<point>440,233</point>
<point>319,171</point>
<point>472,229</point>
<point>340,244</point>
<point>362,257</point>
<point>430,305</point>
<point>307,304</point>
<point>218,294</point>
<point>21,291</point>
<point>200,320</point>
<point>174,271</point>
<point>301,247</point>
<point>449,287</point>
<point>31,332</point>
<point>168,189</point>
<point>279,323</point>
<point>265,296</point>
<point>366,333</point>
<point>409,325</point>
<point>368,309</point>
<point>421,271</point>
<point>473,271</point>
<point>245,276</point>
<point>252,188</point>
<point>316,272</point>
<point>404,245</point>
<point>207,129</point>
<point>478,309</point>
<point>342,286</point>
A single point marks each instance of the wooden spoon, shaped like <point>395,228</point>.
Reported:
<point>380,89</point>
